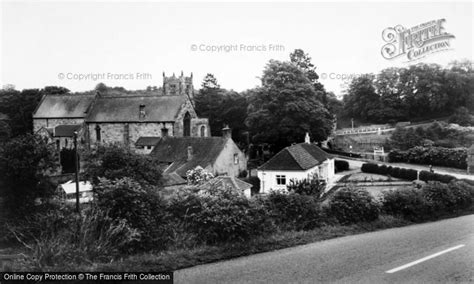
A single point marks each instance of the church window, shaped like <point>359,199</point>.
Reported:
<point>236,159</point>
<point>97,134</point>
<point>203,131</point>
<point>187,124</point>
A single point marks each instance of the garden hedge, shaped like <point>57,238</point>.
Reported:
<point>436,156</point>
<point>408,174</point>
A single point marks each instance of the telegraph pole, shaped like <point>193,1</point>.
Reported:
<point>76,170</point>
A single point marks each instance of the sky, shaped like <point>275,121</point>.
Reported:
<point>130,44</point>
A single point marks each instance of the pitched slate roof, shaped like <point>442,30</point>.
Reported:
<point>64,106</point>
<point>297,157</point>
<point>228,181</point>
<point>66,130</point>
<point>147,141</point>
<point>174,150</point>
<point>126,108</point>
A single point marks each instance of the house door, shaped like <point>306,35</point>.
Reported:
<point>187,125</point>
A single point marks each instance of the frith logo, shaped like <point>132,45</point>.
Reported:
<point>416,42</point>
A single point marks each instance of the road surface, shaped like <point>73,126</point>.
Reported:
<point>437,252</point>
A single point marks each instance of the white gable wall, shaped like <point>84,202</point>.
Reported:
<point>268,179</point>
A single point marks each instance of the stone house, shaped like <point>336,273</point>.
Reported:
<point>124,118</point>
<point>218,155</point>
<point>296,162</point>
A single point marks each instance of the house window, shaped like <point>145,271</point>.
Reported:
<point>203,131</point>
<point>65,143</point>
<point>58,146</point>
<point>97,133</point>
<point>148,147</point>
<point>236,159</point>
<point>281,180</point>
<point>164,132</point>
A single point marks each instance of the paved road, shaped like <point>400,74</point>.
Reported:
<point>364,258</point>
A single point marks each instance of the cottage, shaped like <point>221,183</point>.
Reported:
<point>217,155</point>
<point>296,162</point>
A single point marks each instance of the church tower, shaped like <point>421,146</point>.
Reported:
<point>178,86</point>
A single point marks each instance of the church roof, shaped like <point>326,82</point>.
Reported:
<point>174,150</point>
<point>64,106</point>
<point>147,141</point>
<point>297,157</point>
<point>126,109</point>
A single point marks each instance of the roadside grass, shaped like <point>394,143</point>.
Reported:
<point>175,259</point>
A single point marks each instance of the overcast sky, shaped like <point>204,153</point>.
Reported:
<point>131,44</point>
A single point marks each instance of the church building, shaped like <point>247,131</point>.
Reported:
<point>124,118</point>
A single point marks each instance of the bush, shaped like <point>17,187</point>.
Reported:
<point>407,203</point>
<point>93,236</point>
<point>141,207</point>
<point>293,211</point>
<point>429,176</point>
<point>220,216</point>
<point>437,156</point>
<point>341,165</point>
<point>116,162</point>
<point>448,198</point>
<point>312,186</point>
<point>408,174</point>
<point>353,205</point>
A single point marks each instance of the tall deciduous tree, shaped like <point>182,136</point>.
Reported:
<point>285,107</point>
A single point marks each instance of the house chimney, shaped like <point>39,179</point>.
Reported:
<point>307,140</point>
<point>190,153</point>
<point>226,132</point>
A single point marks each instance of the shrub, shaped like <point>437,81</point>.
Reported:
<point>141,207</point>
<point>437,156</point>
<point>369,168</point>
<point>198,175</point>
<point>429,176</point>
<point>93,236</point>
<point>312,186</point>
<point>353,205</point>
<point>408,174</point>
<point>407,203</point>
<point>293,211</point>
<point>220,216</point>
<point>341,165</point>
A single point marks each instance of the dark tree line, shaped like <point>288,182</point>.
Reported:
<point>419,91</point>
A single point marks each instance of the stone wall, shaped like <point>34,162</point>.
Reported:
<point>115,132</point>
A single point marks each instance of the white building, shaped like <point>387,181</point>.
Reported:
<point>296,162</point>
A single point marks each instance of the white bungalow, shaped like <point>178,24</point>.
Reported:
<point>296,162</point>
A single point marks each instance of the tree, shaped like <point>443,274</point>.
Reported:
<point>462,117</point>
<point>19,106</point>
<point>101,88</point>
<point>114,162</point>
<point>25,163</point>
<point>210,82</point>
<point>361,100</point>
<point>285,107</point>
<point>221,107</point>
